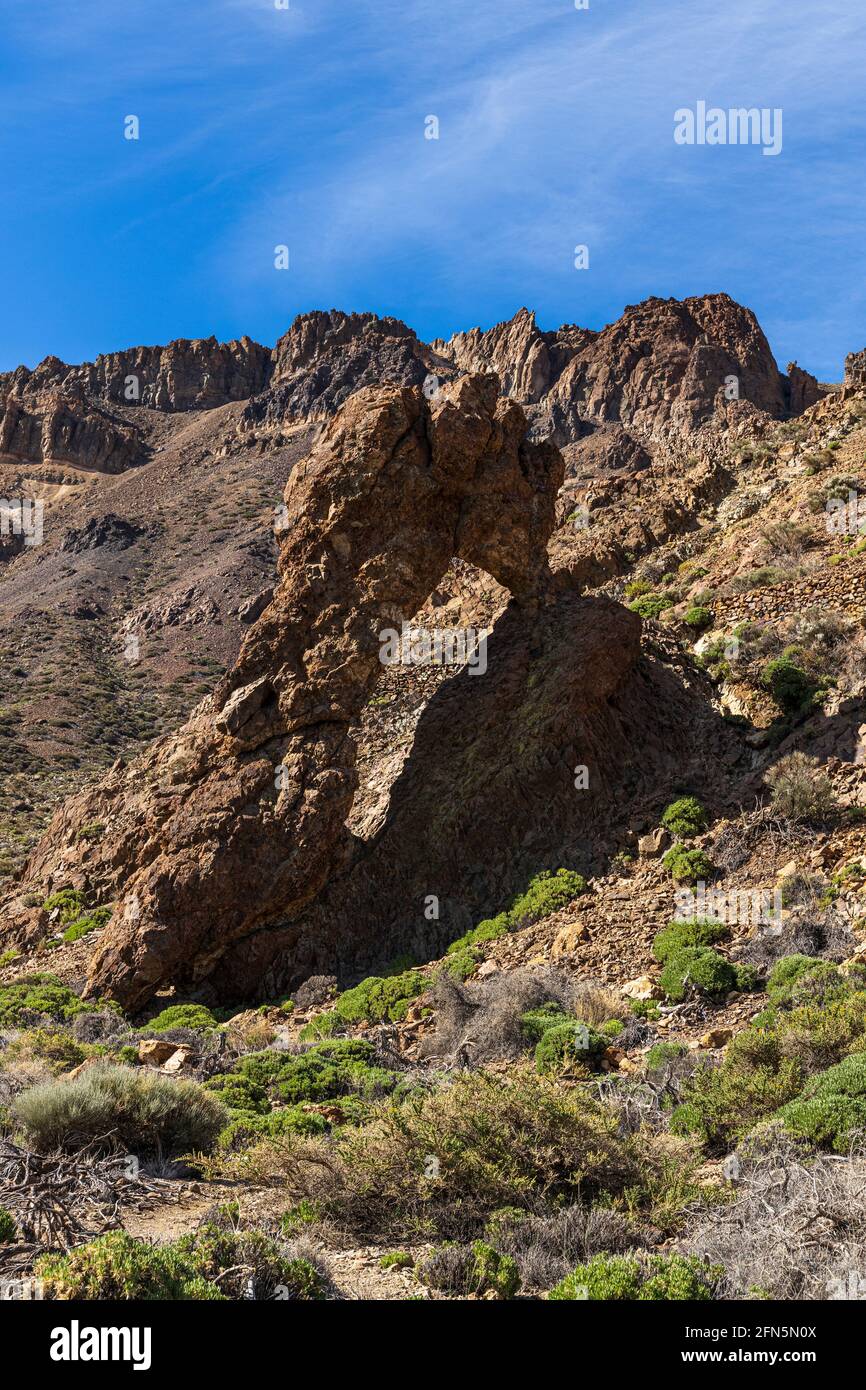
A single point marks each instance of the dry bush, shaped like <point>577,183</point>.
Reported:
<point>804,936</point>
<point>97,1026</point>
<point>315,991</point>
<point>850,666</point>
<point>440,1163</point>
<point>783,540</point>
<point>547,1248</point>
<point>481,1022</point>
<point>119,1106</point>
<point>800,788</point>
<point>796,1230</point>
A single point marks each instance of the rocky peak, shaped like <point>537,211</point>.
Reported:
<point>855,370</point>
<point>659,370</point>
<point>325,357</point>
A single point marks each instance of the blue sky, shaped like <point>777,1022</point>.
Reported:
<point>262,126</point>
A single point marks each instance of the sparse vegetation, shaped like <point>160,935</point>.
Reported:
<point>143,1112</point>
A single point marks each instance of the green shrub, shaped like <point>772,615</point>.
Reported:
<point>616,1278</point>
<point>748,978</point>
<point>687,865</point>
<point>535,1022</point>
<point>821,1033</point>
<point>247,1129</point>
<point>636,588</point>
<point>651,605</point>
<point>240,1093</point>
<point>696,967</point>
<point>135,1108</point>
<point>211,1263</point>
<point>326,1071</point>
<point>723,1103</point>
<point>87,922</point>
<point>8,1229</point>
<point>461,964</point>
<point>181,1016</point>
<point>58,1050</point>
<point>661,1054</point>
<point>494,1272</point>
<point>831,1110</point>
<point>247,1263</point>
<point>698,618</point>
<point>644,1008</point>
<point>375,1000</point>
<point>791,687</point>
<point>488,930</point>
<point>685,817</point>
<point>69,901</point>
<point>699,931</point>
<point>397,1259</point>
<point>117,1267</point>
<point>38,994</point>
<point>787,972</point>
<point>567,1044</point>
<point>547,893</point>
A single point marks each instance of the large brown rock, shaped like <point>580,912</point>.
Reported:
<point>241,814</point>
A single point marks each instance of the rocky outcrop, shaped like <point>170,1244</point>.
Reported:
<point>660,371</point>
<point>855,370</point>
<point>325,357</point>
<point>490,795</point>
<point>186,374</point>
<point>802,389</point>
<point>60,426</point>
<point>240,816</point>
<point>107,532</point>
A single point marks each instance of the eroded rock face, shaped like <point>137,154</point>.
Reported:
<point>189,373</point>
<point>804,389</point>
<point>659,370</point>
<point>60,426</point>
<point>324,357</point>
<point>241,815</point>
<point>855,370</point>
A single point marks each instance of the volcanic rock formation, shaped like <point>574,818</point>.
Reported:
<point>186,374</point>
<point>241,814</point>
<point>54,426</point>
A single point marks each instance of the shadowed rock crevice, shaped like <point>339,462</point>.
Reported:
<point>488,798</point>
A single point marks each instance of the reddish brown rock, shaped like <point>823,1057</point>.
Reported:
<point>241,814</point>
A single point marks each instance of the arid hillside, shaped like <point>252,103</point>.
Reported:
<point>365,911</point>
